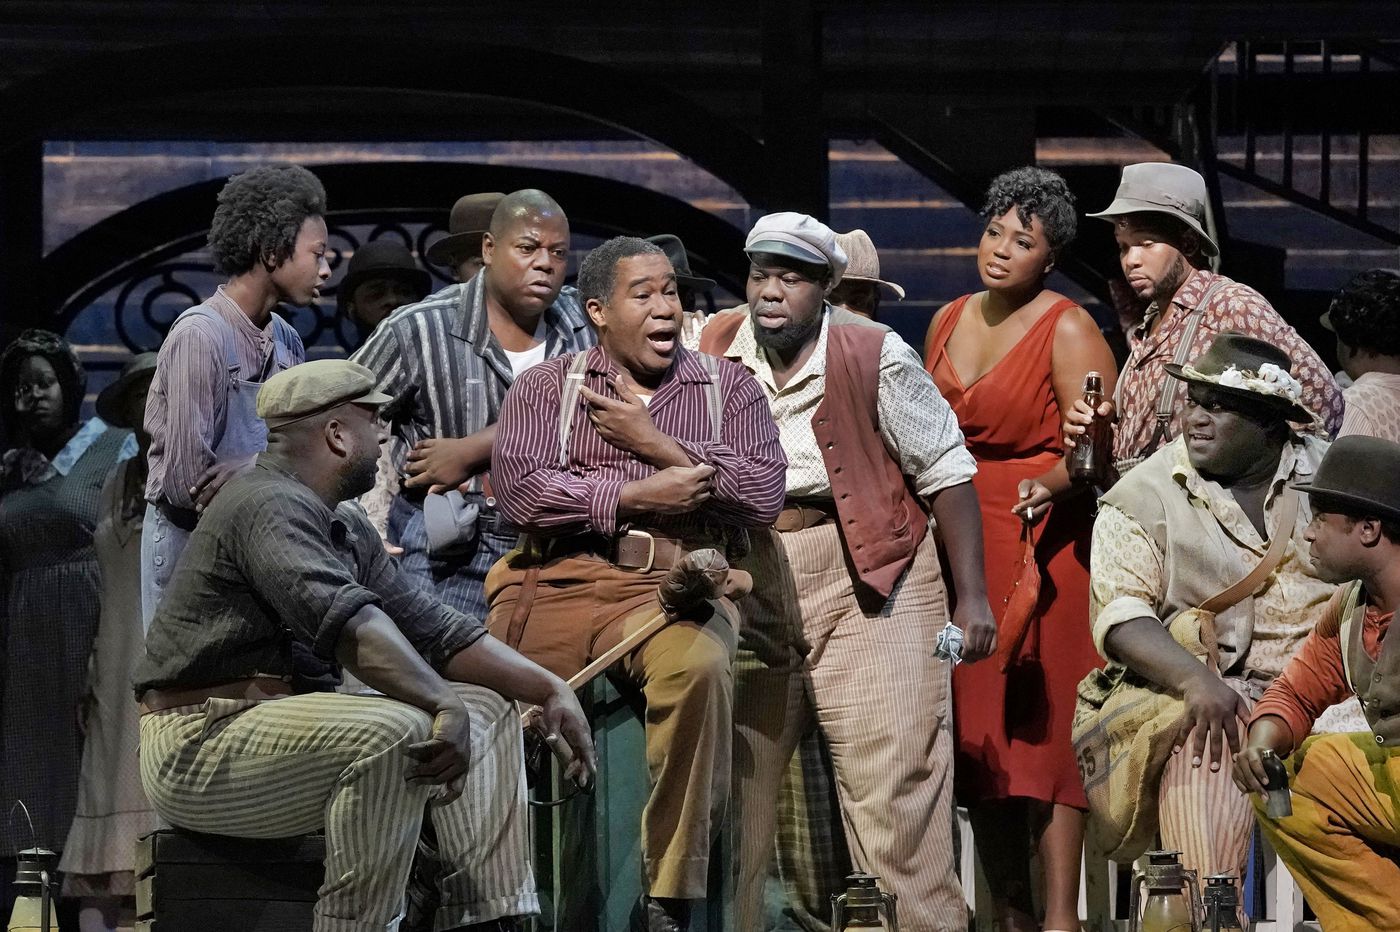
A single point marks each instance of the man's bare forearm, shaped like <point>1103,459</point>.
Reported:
<point>488,662</point>
<point>1146,648</point>
<point>959,518</point>
<point>373,648</point>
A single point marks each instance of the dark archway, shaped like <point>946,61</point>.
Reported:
<point>289,64</point>
<point>172,224</point>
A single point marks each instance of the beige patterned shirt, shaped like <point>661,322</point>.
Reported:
<point>1373,407</point>
<point>920,431</point>
<point>1166,539</point>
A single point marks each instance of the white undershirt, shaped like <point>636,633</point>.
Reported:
<point>524,359</point>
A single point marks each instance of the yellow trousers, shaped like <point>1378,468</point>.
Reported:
<point>1342,839</point>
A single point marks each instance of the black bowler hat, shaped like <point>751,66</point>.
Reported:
<point>381,258</point>
<point>1360,472</point>
<point>1247,368</point>
<point>674,249</point>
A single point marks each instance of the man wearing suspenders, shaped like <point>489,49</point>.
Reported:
<point>1341,839</point>
<point>269,237</point>
<point>617,463</point>
<point>1158,218</point>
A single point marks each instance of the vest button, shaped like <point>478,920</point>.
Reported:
<point>1380,740</point>
<point>831,446</point>
<point>860,546</point>
<point>845,495</point>
<point>160,561</point>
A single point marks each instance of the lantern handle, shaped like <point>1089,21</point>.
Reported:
<point>10,824</point>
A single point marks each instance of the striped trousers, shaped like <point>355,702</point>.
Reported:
<point>328,760</point>
<point>811,654</point>
<point>1202,813</point>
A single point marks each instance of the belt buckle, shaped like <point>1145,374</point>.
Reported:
<point>651,549</point>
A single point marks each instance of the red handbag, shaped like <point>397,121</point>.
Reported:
<point>1018,605</point>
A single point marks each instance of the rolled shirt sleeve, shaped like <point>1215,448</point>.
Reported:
<point>1125,574</point>
<point>918,426</point>
<point>436,630</point>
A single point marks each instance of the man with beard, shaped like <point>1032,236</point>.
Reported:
<point>1341,838</point>
<point>1186,525</point>
<point>269,236</point>
<point>658,453</point>
<point>449,361</point>
<point>282,558</point>
<point>1158,218</point>
<point>849,603</point>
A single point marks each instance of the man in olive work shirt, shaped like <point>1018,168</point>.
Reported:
<point>281,558</point>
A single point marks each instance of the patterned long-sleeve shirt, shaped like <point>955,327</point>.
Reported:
<point>1234,308</point>
<point>270,564</point>
<point>443,351</point>
<point>537,495</point>
<point>188,401</point>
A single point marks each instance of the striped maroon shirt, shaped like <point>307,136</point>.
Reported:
<point>537,496</point>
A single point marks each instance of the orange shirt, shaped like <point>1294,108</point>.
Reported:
<point>1315,678</point>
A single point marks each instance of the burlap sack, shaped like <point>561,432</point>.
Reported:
<point>1122,733</point>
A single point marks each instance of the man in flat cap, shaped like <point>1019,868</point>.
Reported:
<point>1341,838</point>
<point>848,602</point>
<point>1206,521</point>
<point>282,561</point>
<point>1158,218</point>
<point>449,360</point>
<point>381,275</point>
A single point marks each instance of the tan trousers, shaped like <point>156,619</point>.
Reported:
<point>871,683</point>
<point>582,607</point>
<point>1202,813</point>
<point>1342,840</point>
<point>289,766</point>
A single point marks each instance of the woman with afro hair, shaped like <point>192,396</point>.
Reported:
<point>1365,316</point>
<point>269,237</point>
<point>1009,359</point>
<point>51,480</point>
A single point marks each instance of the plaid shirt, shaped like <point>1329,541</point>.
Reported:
<point>1233,308</point>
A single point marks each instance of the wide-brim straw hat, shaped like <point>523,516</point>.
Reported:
<point>863,261</point>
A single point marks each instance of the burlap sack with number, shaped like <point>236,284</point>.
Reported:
<point>1122,734</point>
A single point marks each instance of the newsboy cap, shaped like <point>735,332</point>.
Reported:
<point>313,387</point>
<point>800,237</point>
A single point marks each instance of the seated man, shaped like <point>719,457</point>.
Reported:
<point>659,452</point>
<point>1191,520</point>
<point>280,560</point>
<point>1342,839</point>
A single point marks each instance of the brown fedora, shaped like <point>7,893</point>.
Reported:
<point>863,261</point>
<point>1247,368</point>
<point>674,249</point>
<point>469,220</point>
<point>1358,472</point>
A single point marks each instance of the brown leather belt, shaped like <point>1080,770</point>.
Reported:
<point>798,516</point>
<point>635,550</point>
<point>257,687</point>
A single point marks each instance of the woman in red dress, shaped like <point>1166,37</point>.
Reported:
<point>1008,360</point>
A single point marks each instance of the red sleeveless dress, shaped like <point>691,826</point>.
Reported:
<point>1013,728</point>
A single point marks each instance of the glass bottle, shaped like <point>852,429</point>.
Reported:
<point>1088,460</point>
